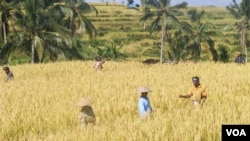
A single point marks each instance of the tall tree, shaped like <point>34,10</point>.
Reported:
<point>8,8</point>
<point>178,41</point>
<point>162,10</point>
<point>242,13</point>
<point>73,17</point>
<point>201,33</point>
<point>41,31</point>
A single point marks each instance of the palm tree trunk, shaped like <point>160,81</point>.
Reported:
<point>32,51</point>
<point>162,43</point>
<point>163,30</point>
<point>243,40</point>
<point>4,33</point>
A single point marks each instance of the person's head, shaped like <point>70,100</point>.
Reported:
<point>196,80</point>
<point>144,90</point>
<point>98,58</point>
<point>6,69</point>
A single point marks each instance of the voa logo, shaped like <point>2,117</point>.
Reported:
<point>236,132</point>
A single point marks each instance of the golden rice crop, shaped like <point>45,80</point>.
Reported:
<point>40,103</point>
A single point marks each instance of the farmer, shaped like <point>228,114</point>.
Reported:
<point>144,104</point>
<point>98,63</point>
<point>239,58</point>
<point>197,92</point>
<point>9,74</point>
<point>86,115</point>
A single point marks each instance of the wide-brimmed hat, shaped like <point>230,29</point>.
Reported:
<point>84,102</point>
<point>144,89</point>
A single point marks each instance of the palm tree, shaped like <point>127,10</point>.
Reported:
<point>74,18</point>
<point>201,34</point>
<point>41,31</point>
<point>162,11</point>
<point>178,41</point>
<point>242,13</point>
<point>7,11</point>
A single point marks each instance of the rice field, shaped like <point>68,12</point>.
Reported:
<point>39,105</point>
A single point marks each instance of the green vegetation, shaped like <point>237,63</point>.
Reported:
<point>71,33</point>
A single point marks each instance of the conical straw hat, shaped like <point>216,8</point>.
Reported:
<point>144,89</point>
<point>84,102</point>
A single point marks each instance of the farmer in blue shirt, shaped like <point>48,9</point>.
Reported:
<point>144,103</point>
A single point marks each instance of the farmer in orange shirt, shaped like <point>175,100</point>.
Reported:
<point>197,93</point>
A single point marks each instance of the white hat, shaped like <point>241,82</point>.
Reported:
<point>83,102</point>
<point>144,89</point>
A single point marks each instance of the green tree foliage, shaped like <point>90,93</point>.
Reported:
<point>162,10</point>
<point>242,12</point>
<point>223,53</point>
<point>201,33</point>
<point>8,9</point>
<point>50,28</point>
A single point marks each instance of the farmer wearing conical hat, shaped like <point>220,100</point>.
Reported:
<point>144,103</point>
<point>240,59</point>
<point>86,115</point>
<point>197,93</point>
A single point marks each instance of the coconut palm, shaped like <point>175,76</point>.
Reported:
<point>73,17</point>
<point>201,33</point>
<point>41,31</point>
<point>162,10</point>
<point>178,41</point>
<point>242,13</point>
<point>8,9</point>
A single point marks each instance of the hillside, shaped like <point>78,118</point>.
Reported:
<point>122,25</point>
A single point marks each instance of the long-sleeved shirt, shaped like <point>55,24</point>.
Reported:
<point>144,106</point>
<point>9,76</point>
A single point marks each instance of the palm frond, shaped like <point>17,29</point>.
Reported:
<point>147,16</point>
<point>154,25</point>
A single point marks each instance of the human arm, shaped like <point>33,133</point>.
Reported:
<point>203,94</point>
<point>185,96</point>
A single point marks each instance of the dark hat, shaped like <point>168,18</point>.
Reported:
<point>195,79</point>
